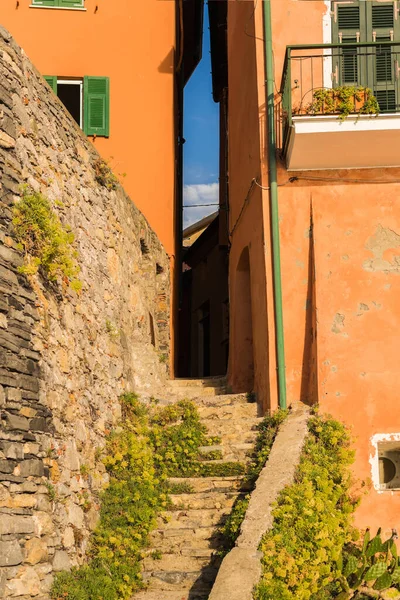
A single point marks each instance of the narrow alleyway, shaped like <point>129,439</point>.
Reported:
<point>183,561</point>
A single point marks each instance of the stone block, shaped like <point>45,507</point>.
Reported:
<point>75,515</point>
<point>36,551</point>
<point>16,524</point>
<point>7,466</point>
<point>43,524</point>
<point>68,538</point>
<point>19,501</point>
<point>10,554</point>
<point>31,448</point>
<point>12,450</point>
<point>6,141</point>
<point>16,422</point>
<point>27,583</point>
<point>39,424</point>
<point>61,561</point>
<point>32,467</point>
<point>14,394</point>
<point>27,411</point>
<point>71,456</point>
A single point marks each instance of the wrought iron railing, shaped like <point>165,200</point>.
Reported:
<point>310,71</point>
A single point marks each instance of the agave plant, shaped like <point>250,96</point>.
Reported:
<point>372,571</point>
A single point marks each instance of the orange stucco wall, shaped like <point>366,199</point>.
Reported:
<point>131,42</point>
<point>340,248</point>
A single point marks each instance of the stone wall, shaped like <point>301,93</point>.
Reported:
<point>65,357</point>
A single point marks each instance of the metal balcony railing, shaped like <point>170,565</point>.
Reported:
<point>310,69</point>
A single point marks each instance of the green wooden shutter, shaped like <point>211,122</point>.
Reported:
<point>71,3</point>
<point>52,81</point>
<point>96,92</point>
<point>45,2</point>
<point>383,25</point>
<point>348,26</point>
<point>60,3</point>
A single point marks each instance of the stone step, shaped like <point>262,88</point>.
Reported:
<point>168,595</point>
<point>227,411</point>
<point>198,382</point>
<point>192,518</point>
<point>193,393</point>
<point>188,542</point>
<point>224,400</point>
<point>185,580</point>
<point>176,562</point>
<point>230,453</point>
<point>232,429</point>
<point>204,500</point>
<point>209,484</point>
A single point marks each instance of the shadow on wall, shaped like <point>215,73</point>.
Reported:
<point>309,375</point>
<point>243,332</point>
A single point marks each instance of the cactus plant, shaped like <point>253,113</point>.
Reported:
<point>370,571</point>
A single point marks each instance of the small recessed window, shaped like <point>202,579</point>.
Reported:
<point>389,465</point>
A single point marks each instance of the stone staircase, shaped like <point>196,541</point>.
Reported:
<point>183,561</point>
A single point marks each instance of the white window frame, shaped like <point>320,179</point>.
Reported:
<point>75,82</point>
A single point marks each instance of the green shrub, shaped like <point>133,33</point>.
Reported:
<point>151,444</point>
<point>47,243</point>
<point>176,434</point>
<point>312,520</point>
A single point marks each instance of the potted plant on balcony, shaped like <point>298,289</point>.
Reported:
<point>343,101</point>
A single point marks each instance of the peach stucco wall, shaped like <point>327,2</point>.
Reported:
<point>340,258</point>
<point>246,217</point>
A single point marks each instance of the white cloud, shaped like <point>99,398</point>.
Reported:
<point>204,193</point>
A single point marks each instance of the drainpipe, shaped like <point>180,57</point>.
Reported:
<point>273,193</point>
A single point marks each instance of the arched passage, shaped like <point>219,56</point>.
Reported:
<point>242,334</point>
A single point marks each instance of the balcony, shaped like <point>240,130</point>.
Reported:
<point>339,106</point>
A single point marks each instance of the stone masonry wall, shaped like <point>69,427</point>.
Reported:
<point>65,357</point>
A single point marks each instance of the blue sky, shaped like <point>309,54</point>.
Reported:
<point>201,132</point>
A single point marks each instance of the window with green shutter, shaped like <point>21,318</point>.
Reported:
<point>96,93</point>
<point>93,101</point>
<point>60,3</point>
<point>367,21</point>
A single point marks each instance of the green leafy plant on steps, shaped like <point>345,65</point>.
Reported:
<point>46,242</point>
<point>151,444</point>
<point>371,570</point>
<point>344,100</point>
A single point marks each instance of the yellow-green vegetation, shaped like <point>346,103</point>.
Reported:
<point>267,429</point>
<point>46,242</point>
<point>343,100</point>
<point>151,444</point>
<point>104,175</point>
<point>312,520</point>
